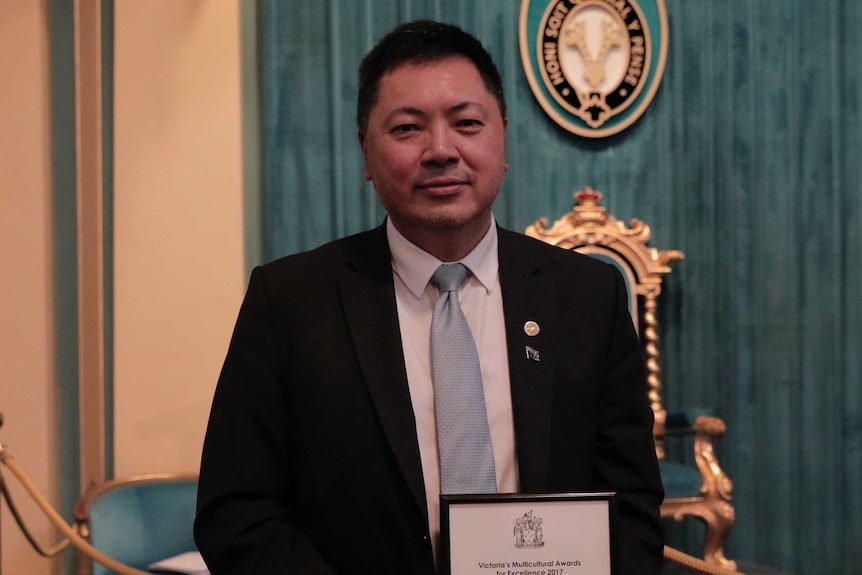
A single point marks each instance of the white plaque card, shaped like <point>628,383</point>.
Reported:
<point>545,534</point>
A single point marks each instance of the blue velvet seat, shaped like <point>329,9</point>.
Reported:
<point>138,520</point>
<point>701,490</point>
<point>680,480</point>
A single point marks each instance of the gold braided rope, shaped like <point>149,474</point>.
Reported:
<point>686,560</point>
<point>72,537</point>
<point>48,553</point>
<point>61,524</point>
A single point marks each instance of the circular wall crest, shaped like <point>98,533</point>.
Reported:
<point>594,65</point>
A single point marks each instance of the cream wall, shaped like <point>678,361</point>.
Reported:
<point>178,251</point>
<point>27,349</point>
<point>178,245</point>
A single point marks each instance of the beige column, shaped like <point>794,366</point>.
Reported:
<point>27,350</point>
<point>91,293</point>
<point>178,251</point>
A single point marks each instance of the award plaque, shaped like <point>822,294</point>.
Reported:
<point>542,534</point>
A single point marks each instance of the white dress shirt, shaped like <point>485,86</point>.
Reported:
<point>482,303</point>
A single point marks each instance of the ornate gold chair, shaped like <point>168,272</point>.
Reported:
<point>704,492</point>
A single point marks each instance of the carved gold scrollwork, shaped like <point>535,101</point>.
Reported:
<point>588,228</point>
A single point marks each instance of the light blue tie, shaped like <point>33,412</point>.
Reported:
<point>463,439</point>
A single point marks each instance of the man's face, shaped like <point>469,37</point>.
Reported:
<point>435,149</point>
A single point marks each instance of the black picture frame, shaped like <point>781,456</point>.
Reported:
<point>539,500</point>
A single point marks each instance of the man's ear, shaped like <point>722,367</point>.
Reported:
<point>363,145</point>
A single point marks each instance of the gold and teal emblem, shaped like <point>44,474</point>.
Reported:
<point>594,65</point>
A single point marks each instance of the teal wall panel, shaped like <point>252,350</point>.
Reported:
<point>61,30</point>
<point>748,160</point>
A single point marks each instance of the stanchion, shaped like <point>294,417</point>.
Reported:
<point>1,513</point>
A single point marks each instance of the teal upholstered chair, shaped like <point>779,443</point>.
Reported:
<point>702,491</point>
<point>138,520</point>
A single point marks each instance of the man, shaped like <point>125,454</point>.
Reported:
<point>321,454</point>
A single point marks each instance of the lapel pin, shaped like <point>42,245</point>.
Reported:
<point>531,328</point>
<point>532,353</point>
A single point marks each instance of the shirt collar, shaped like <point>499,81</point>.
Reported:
<point>415,266</point>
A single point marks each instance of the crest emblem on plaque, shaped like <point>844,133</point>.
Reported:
<point>594,65</point>
<point>528,531</point>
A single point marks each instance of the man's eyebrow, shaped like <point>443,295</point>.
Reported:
<point>411,111</point>
<point>407,110</point>
<point>467,104</point>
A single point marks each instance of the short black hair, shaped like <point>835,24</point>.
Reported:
<point>417,42</point>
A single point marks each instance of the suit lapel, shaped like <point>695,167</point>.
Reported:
<point>528,296</point>
<point>368,297</point>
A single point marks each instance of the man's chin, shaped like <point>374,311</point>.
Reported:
<point>452,221</point>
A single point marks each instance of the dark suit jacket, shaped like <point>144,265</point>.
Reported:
<point>311,462</point>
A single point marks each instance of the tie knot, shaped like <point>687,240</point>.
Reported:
<point>449,277</point>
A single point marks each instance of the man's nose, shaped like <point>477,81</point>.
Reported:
<point>441,148</point>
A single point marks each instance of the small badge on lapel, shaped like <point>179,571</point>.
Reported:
<point>532,353</point>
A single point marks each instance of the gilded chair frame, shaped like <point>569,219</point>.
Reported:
<point>82,507</point>
<point>589,229</point>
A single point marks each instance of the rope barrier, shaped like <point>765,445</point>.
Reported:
<point>48,553</point>
<point>70,534</point>
<point>686,560</point>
